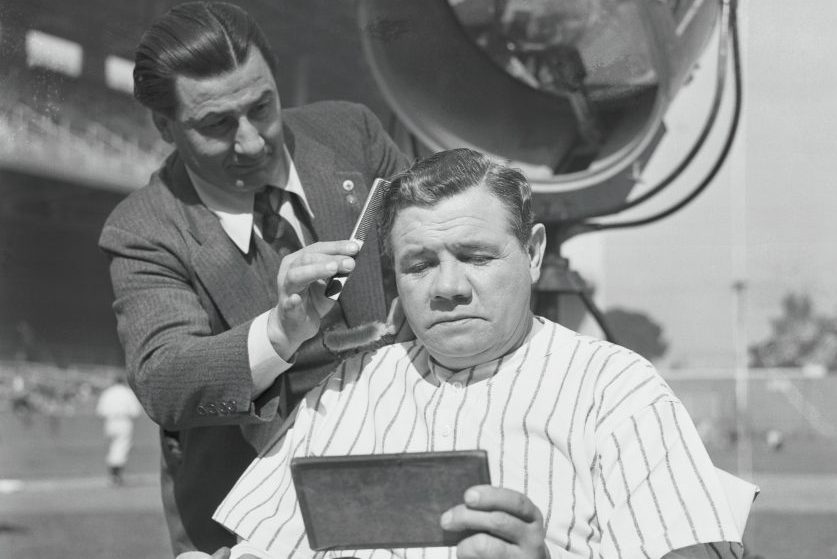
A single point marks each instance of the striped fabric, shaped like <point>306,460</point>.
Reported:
<point>586,429</point>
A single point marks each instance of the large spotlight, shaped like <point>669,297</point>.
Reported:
<point>572,91</point>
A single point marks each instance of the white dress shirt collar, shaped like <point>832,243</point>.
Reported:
<point>235,211</point>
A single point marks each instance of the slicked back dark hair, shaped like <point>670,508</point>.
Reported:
<point>448,173</point>
<point>195,40</point>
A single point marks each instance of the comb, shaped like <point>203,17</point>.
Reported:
<point>365,223</point>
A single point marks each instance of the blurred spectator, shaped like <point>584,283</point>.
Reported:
<point>775,439</point>
<point>28,345</point>
<point>21,402</point>
<point>119,407</point>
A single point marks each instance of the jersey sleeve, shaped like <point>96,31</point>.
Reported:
<point>656,489</point>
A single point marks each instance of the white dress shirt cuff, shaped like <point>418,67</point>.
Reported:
<point>265,363</point>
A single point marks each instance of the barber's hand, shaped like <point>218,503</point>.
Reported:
<point>301,301</point>
<point>507,523</point>
<point>222,553</point>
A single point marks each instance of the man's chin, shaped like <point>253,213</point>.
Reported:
<point>251,180</point>
<point>251,183</point>
<point>458,356</point>
<point>246,187</point>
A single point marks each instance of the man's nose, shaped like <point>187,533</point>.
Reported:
<point>451,282</point>
<point>248,139</point>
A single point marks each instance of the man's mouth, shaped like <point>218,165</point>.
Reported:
<point>454,319</point>
<point>250,164</point>
<point>243,164</point>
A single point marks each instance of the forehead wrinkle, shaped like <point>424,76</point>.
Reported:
<point>212,105</point>
<point>235,86</point>
<point>472,245</point>
<point>265,94</point>
<point>447,238</point>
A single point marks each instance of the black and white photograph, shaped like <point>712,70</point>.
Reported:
<point>418,279</point>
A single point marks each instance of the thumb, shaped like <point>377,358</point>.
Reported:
<point>202,555</point>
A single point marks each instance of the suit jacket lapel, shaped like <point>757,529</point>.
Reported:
<point>236,287</point>
<point>336,197</point>
<point>315,164</point>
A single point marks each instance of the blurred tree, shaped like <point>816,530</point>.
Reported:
<point>637,331</point>
<point>800,337</point>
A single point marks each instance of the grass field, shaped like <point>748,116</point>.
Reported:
<point>127,533</point>
<point>66,509</point>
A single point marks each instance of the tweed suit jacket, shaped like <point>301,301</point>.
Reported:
<point>185,296</point>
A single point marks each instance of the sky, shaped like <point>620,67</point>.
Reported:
<point>767,219</point>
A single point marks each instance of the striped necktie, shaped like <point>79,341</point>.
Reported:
<point>276,230</point>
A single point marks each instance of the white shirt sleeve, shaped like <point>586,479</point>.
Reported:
<point>657,490</point>
<point>265,363</point>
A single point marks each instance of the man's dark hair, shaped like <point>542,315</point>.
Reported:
<point>196,40</point>
<point>448,173</point>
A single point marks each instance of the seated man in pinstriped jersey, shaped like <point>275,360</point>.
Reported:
<point>590,452</point>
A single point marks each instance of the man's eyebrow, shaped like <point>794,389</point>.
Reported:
<point>464,246</point>
<point>198,119</point>
<point>415,252</point>
<point>265,96</point>
<point>470,246</point>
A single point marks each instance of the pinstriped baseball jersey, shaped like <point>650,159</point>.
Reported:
<point>586,429</point>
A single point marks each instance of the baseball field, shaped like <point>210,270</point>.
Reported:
<point>56,502</point>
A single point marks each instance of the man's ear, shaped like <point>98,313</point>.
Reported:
<point>536,249</point>
<point>163,124</point>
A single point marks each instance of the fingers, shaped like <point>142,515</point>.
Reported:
<point>499,524</point>
<point>300,284</point>
<point>301,314</point>
<point>305,271</point>
<point>490,498</point>
<point>222,553</point>
<point>316,262</point>
<point>199,555</point>
<point>507,523</point>
<point>336,248</point>
<point>485,546</point>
